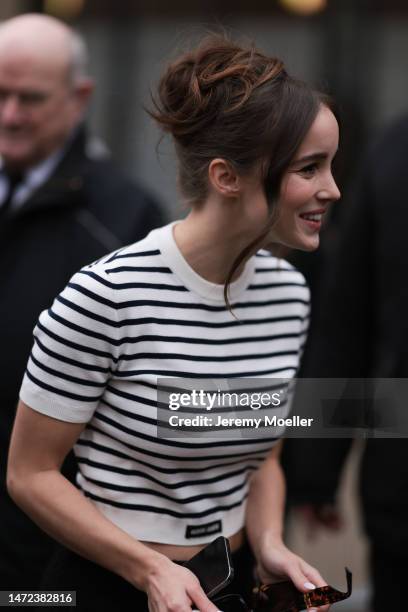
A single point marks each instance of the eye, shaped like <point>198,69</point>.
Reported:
<point>309,170</point>
<point>32,98</point>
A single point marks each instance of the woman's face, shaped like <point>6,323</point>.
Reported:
<point>308,186</point>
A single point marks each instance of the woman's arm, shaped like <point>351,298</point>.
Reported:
<point>265,506</point>
<point>264,525</point>
<point>38,447</point>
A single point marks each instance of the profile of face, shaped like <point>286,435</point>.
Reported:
<point>39,106</point>
<point>308,186</point>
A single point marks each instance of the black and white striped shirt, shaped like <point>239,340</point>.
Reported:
<point>140,313</point>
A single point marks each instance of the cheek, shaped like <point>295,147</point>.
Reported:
<point>52,120</point>
<point>295,193</point>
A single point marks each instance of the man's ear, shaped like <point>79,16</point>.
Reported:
<point>83,92</point>
<point>224,178</point>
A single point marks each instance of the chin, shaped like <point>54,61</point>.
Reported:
<point>18,160</point>
<point>13,155</point>
<point>308,244</point>
<point>296,241</point>
<point>313,246</point>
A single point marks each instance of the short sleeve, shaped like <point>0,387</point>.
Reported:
<point>75,350</point>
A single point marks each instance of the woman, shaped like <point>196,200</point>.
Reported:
<point>194,299</point>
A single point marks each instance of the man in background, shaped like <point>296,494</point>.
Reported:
<point>61,207</point>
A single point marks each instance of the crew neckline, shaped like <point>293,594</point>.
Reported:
<point>175,260</point>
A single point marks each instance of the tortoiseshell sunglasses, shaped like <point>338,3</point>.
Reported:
<point>284,597</point>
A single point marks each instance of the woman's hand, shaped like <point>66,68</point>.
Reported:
<point>173,588</point>
<point>277,563</point>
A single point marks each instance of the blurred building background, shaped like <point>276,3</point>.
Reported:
<point>357,50</point>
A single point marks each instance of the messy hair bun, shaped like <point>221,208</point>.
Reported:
<point>214,80</point>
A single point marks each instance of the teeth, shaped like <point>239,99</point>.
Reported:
<point>316,217</point>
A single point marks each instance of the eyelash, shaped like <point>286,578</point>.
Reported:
<point>309,169</point>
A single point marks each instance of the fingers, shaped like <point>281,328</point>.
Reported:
<point>301,581</point>
<point>176,589</point>
<point>304,577</point>
<point>200,599</point>
<point>314,577</point>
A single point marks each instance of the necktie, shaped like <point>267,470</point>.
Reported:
<point>14,179</point>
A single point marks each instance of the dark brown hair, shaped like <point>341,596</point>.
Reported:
<point>230,101</point>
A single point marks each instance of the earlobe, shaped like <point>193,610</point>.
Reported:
<point>84,92</point>
<point>224,178</point>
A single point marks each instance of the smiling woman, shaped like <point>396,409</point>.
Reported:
<point>255,148</point>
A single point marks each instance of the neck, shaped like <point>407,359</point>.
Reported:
<point>210,244</point>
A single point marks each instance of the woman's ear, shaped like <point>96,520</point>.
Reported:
<point>224,179</point>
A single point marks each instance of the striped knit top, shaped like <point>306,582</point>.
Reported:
<point>140,313</point>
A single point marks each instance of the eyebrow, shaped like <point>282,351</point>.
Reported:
<point>312,157</point>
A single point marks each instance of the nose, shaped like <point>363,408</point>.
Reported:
<point>10,110</point>
<point>329,190</point>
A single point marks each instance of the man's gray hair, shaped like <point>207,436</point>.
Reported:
<point>79,63</point>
